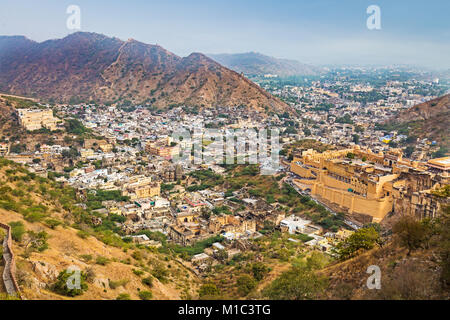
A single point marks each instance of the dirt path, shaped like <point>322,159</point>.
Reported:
<point>20,97</point>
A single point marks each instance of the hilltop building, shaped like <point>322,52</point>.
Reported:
<point>35,119</point>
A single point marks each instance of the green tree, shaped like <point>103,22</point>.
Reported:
<point>296,284</point>
<point>208,291</point>
<point>259,270</point>
<point>36,241</point>
<point>410,232</point>
<point>17,230</point>
<point>61,286</point>
<point>245,284</point>
<point>362,239</point>
<point>316,261</point>
<point>409,151</point>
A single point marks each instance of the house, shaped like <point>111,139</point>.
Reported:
<point>4,149</point>
<point>200,258</point>
<point>181,234</point>
<point>140,239</point>
<point>218,246</point>
<point>294,224</point>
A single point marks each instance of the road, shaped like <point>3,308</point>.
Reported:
<point>289,181</point>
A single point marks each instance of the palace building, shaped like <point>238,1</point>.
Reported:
<point>35,119</point>
<point>368,185</point>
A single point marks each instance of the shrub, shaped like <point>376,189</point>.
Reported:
<point>34,217</point>
<point>245,284</point>
<point>52,223</point>
<point>296,284</point>
<point>123,296</point>
<point>259,270</point>
<point>145,295</point>
<point>9,205</point>
<point>148,281</point>
<point>64,278</point>
<point>208,291</point>
<point>17,230</point>
<point>160,273</point>
<point>411,233</point>
<point>119,283</point>
<point>362,239</point>
<point>82,234</point>
<point>138,272</point>
<point>86,257</point>
<point>36,241</point>
<point>137,255</point>
<point>103,261</point>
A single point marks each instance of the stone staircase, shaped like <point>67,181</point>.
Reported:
<point>9,267</point>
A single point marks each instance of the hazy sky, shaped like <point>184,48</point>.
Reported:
<point>312,31</point>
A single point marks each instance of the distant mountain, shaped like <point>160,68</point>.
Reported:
<point>253,63</point>
<point>427,120</point>
<point>89,66</point>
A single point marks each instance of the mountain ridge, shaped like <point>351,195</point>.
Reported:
<point>254,63</point>
<point>89,66</point>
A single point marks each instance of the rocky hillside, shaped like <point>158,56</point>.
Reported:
<point>413,258</point>
<point>426,120</point>
<point>253,63</point>
<point>427,111</point>
<point>89,66</point>
<point>51,233</point>
<point>8,119</point>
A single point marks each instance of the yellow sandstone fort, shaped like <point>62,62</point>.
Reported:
<point>370,185</point>
<point>35,119</point>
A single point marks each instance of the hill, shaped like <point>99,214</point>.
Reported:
<point>253,63</point>
<point>426,120</point>
<point>421,274</point>
<point>88,66</point>
<point>51,233</point>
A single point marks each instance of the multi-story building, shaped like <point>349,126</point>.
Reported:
<point>103,145</point>
<point>162,148</point>
<point>35,119</point>
<point>367,184</point>
<point>142,187</point>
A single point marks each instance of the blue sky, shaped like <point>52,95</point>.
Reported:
<point>312,31</point>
